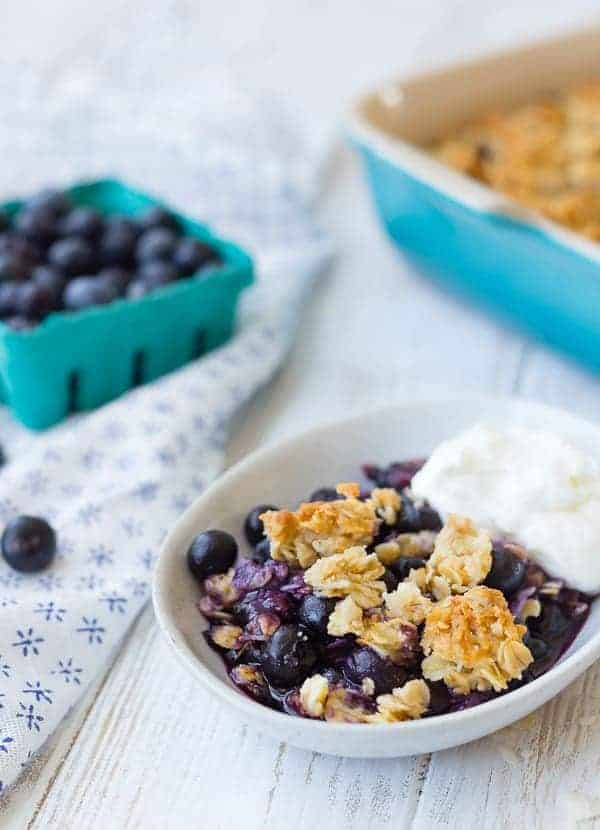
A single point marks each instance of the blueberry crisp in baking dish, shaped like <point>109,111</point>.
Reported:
<point>363,606</point>
<point>545,155</point>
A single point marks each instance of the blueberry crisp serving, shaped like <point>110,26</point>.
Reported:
<point>363,606</point>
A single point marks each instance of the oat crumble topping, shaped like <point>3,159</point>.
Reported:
<point>324,528</point>
<point>407,603</point>
<point>461,559</point>
<point>313,695</point>
<point>353,573</point>
<point>545,154</point>
<point>409,702</point>
<point>419,545</point>
<point>226,636</point>
<point>473,643</point>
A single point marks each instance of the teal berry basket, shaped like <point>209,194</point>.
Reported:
<point>76,361</point>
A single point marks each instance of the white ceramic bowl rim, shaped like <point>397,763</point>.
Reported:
<point>585,654</point>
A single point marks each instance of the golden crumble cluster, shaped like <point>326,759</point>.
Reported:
<point>461,559</point>
<point>408,702</point>
<point>546,155</point>
<point>324,528</point>
<point>472,642</point>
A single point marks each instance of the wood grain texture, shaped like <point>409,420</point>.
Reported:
<point>148,748</point>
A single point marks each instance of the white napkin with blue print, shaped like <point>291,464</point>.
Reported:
<point>113,482</point>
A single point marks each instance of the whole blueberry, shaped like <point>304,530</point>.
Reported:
<point>86,291</point>
<point>50,199</point>
<point>34,300</point>
<point>73,256</point>
<point>13,266</point>
<point>365,663</point>
<point>190,255</point>
<point>117,242</point>
<point>211,552</point>
<point>551,624</point>
<point>314,612</point>
<point>19,323</point>
<point>289,656</point>
<point>137,288</point>
<point>429,519</point>
<point>24,249</point>
<point>158,217</point>
<point>156,273</point>
<point>253,526</point>
<point>37,224</point>
<point>325,494</point>
<point>507,572</point>
<point>51,279</point>
<point>28,544</point>
<point>118,278</point>
<point>9,292</point>
<point>81,221</point>
<point>404,565</point>
<point>261,552</point>
<point>156,243</point>
<point>391,580</point>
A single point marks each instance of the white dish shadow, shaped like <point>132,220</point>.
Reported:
<point>284,475</point>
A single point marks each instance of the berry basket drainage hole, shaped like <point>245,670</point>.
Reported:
<point>73,391</point>
<point>199,343</point>
<point>137,368</point>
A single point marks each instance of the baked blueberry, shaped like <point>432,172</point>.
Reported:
<point>211,552</point>
<point>13,266</point>
<point>391,580</point>
<point>539,648</point>
<point>81,221</point>
<point>289,656</point>
<point>364,663</point>
<point>156,243</point>
<point>158,217</point>
<point>325,494</point>
<point>409,520</point>
<point>34,300</point>
<point>439,698</point>
<point>551,624</point>
<point>262,551</point>
<point>86,291</point>
<point>73,256</point>
<point>253,526</point>
<point>117,242</point>
<point>28,544</point>
<point>314,612</point>
<point>404,565</point>
<point>157,272</point>
<point>507,572</point>
<point>190,255</point>
<point>51,279</point>
<point>117,278</point>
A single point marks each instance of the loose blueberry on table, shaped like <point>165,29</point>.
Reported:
<point>57,256</point>
<point>362,606</point>
<point>28,544</point>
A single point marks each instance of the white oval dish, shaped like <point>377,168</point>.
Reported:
<point>284,475</point>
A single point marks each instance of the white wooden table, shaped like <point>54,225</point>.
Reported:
<point>147,747</point>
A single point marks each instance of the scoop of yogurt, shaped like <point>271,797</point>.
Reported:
<point>533,486</point>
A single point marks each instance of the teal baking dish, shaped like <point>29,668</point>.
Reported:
<point>79,360</point>
<point>472,240</point>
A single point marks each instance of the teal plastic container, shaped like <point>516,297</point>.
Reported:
<point>76,361</point>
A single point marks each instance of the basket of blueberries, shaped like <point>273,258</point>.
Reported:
<point>103,288</point>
